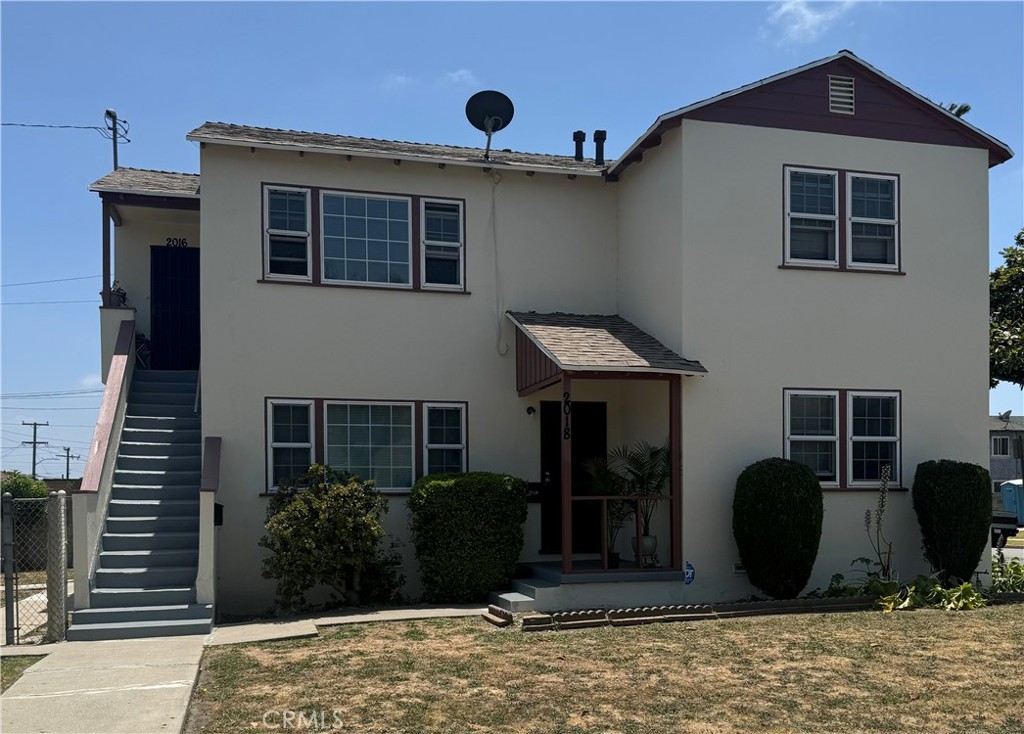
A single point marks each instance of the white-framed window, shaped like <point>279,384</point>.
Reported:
<point>1000,445</point>
<point>812,431</point>
<point>812,217</point>
<point>873,221</point>
<point>366,239</point>
<point>444,447</point>
<point>442,227</point>
<point>290,439</point>
<point>372,440</point>
<point>873,423</point>
<point>286,233</point>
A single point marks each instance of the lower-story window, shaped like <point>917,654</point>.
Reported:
<point>445,439</point>
<point>371,440</point>
<point>290,429</point>
<point>850,452</point>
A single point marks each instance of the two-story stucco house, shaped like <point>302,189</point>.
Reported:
<point>1006,437</point>
<point>797,267</point>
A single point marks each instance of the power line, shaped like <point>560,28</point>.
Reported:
<point>106,132</point>
<point>55,280</point>
<point>85,392</point>
<point>42,303</point>
<point>43,407</point>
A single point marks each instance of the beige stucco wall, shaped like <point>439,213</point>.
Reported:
<point>556,251</point>
<point>759,329</point>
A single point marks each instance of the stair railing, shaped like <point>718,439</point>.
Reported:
<point>206,570</point>
<point>91,502</point>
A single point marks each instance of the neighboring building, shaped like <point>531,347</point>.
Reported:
<point>798,267</point>
<point>1006,440</point>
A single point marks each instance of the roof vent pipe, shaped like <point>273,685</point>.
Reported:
<point>579,137</point>
<point>599,137</point>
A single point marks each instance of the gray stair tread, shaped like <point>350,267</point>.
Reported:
<point>143,553</point>
<point>515,596</point>
<point>146,518</point>
<point>152,534</point>
<point>146,569</point>
<point>146,608</point>
<point>122,485</point>
<point>140,589</point>
<point>156,502</point>
<point>135,624</point>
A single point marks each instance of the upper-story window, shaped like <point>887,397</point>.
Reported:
<point>1000,445</point>
<point>287,233</point>
<point>841,219</point>
<point>363,239</point>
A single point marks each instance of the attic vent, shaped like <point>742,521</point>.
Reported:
<point>840,94</point>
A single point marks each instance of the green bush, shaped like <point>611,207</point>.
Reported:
<point>468,532</point>
<point>21,486</point>
<point>953,502</point>
<point>325,528</point>
<point>776,520</point>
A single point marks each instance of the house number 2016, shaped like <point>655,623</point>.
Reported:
<point>177,242</point>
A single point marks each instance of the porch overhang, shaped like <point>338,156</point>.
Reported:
<point>589,346</point>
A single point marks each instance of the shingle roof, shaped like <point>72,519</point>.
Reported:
<point>147,182</point>
<point>221,132</point>
<point>1015,423</point>
<point>600,342</point>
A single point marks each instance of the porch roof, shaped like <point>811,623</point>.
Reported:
<point>593,343</point>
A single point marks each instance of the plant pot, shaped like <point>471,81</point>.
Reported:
<point>650,545</point>
<point>613,559</point>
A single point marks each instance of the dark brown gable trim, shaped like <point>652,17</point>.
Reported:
<point>883,110</point>
<point>153,201</point>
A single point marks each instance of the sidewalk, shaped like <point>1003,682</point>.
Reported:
<point>144,686</point>
<point>128,686</point>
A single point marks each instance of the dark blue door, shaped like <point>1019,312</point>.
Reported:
<point>174,308</point>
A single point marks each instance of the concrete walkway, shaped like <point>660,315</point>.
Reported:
<point>128,686</point>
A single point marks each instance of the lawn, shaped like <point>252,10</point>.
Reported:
<point>925,671</point>
<point>11,669</point>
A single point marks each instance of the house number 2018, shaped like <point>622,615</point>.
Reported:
<point>177,242</point>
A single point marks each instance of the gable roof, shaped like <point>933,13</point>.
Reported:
<point>272,138</point>
<point>145,182</point>
<point>598,342</point>
<point>892,111</point>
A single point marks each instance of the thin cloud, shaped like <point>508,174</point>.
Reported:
<point>392,82</point>
<point>461,78</point>
<point>91,380</point>
<point>799,21</point>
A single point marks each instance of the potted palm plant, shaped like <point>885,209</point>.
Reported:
<point>606,481</point>
<point>645,469</point>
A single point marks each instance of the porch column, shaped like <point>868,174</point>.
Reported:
<point>675,442</point>
<point>566,473</point>
<point>106,255</point>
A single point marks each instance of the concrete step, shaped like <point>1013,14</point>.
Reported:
<point>137,477</point>
<point>140,376</point>
<point>177,387</point>
<point>121,597</point>
<point>153,508</point>
<point>147,396</point>
<point>153,524</point>
<point>135,630</point>
<point>162,410</point>
<point>167,443</point>
<point>149,558</point>
<point>156,577</point>
<point>513,601</point>
<point>154,492</point>
<point>534,588</point>
<point>165,612</point>
<point>166,462</point>
<point>150,541</point>
<point>167,423</point>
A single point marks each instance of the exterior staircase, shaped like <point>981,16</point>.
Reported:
<point>146,571</point>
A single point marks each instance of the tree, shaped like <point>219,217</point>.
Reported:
<point>959,109</point>
<point>22,486</point>
<point>1006,316</point>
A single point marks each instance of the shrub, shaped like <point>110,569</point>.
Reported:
<point>468,532</point>
<point>1007,578</point>
<point>325,528</point>
<point>953,502</point>
<point>22,486</point>
<point>776,520</point>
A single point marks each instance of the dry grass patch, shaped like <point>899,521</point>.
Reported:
<point>925,671</point>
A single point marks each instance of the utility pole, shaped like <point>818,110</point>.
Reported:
<point>111,115</point>
<point>68,457</point>
<point>34,443</point>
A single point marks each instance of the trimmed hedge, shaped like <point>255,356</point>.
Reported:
<point>776,520</point>
<point>468,532</point>
<point>953,502</point>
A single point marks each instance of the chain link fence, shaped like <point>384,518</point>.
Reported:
<point>36,568</point>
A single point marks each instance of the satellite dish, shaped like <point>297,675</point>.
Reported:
<point>1005,415</point>
<point>490,112</point>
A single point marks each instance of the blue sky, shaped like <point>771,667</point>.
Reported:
<point>400,71</point>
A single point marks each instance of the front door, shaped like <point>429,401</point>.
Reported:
<point>174,308</point>
<point>589,440</point>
